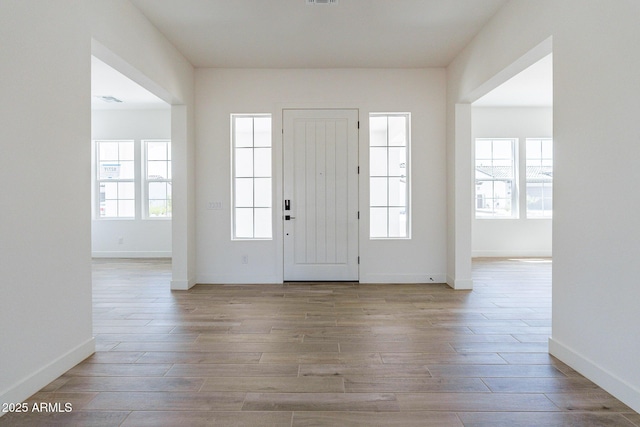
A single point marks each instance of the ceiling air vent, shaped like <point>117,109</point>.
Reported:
<point>322,1</point>
<point>109,99</point>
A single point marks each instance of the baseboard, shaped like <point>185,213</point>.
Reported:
<point>619,388</point>
<point>402,278</point>
<point>510,254</point>
<point>26,387</point>
<point>182,285</point>
<point>131,254</point>
<point>239,279</point>
<point>460,285</point>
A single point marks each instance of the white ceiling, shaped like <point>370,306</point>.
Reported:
<point>295,34</point>
<point>533,87</point>
<point>105,81</point>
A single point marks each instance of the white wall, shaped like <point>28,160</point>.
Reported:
<point>141,238</point>
<point>221,92</point>
<point>45,244</point>
<point>519,236</point>
<point>45,271</point>
<point>596,236</point>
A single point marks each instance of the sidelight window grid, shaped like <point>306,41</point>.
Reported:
<point>389,189</point>
<point>252,176</point>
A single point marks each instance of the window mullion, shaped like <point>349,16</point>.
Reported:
<point>253,177</point>
<point>387,179</point>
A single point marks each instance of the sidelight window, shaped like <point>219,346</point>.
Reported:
<point>252,187</point>
<point>389,135</point>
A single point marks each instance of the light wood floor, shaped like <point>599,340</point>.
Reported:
<point>325,354</point>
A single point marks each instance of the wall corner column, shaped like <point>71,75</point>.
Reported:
<point>460,197</point>
<point>183,209</point>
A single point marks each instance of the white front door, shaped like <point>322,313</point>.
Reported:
<point>320,195</point>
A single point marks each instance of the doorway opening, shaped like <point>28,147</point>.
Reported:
<point>130,168</point>
<point>512,143</point>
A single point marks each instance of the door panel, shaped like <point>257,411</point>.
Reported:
<point>321,183</point>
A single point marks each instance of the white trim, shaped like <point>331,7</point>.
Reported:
<point>403,278</point>
<point>460,285</point>
<point>131,254</point>
<point>511,254</point>
<point>618,387</point>
<point>250,279</point>
<point>182,285</point>
<point>239,279</point>
<point>29,385</point>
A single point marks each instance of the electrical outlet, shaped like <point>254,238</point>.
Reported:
<point>120,240</point>
<point>245,259</point>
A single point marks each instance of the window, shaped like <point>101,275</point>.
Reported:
<point>388,175</point>
<point>495,178</point>
<point>252,196</point>
<point>539,177</point>
<point>157,182</point>
<point>116,179</point>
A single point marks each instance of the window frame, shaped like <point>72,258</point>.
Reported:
<point>253,177</point>
<point>388,177</point>
<point>98,181</point>
<point>146,180</point>
<point>541,160</point>
<point>515,208</point>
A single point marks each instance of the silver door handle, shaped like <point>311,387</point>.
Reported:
<point>289,217</point>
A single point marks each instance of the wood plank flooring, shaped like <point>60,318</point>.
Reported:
<point>335,354</point>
